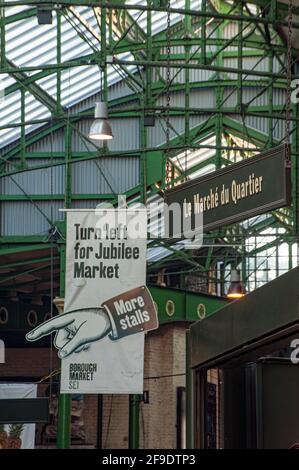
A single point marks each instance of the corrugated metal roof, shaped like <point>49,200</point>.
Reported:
<point>30,44</point>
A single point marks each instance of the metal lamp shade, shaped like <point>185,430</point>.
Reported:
<point>236,289</point>
<point>100,128</point>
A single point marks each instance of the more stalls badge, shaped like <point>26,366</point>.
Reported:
<point>132,312</point>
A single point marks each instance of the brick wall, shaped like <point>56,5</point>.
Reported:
<point>164,358</point>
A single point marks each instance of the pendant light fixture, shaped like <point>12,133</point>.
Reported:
<point>100,128</point>
<point>236,288</point>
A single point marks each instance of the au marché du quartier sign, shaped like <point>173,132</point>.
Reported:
<point>240,191</point>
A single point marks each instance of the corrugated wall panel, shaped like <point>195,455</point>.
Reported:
<point>253,122</point>
<point>277,66</point>
<point>230,31</point>
<point>130,139</point>
<point>279,97</point>
<point>201,98</point>
<point>44,181</point>
<point>116,91</point>
<point>230,97</point>
<point>7,147</point>
<point>86,204</point>
<point>23,218</point>
<point>255,96</point>
<point>279,131</point>
<point>105,175</point>
<point>125,131</point>
<point>126,137</point>
<point>53,142</point>
<point>156,135</point>
<point>126,134</point>
<point>196,75</point>
<point>256,64</point>
<point>200,75</point>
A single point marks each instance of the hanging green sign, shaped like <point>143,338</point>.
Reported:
<point>240,191</point>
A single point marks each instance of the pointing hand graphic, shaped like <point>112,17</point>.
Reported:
<point>125,314</point>
<point>74,330</point>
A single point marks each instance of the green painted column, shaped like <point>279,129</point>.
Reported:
<point>64,422</point>
<point>134,408</point>
<point>2,37</point>
<point>65,400</point>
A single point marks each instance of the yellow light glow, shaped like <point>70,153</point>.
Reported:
<point>235,295</point>
<point>100,137</point>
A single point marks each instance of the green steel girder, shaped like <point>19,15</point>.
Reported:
<point>94,57</point>
<point>23,15</point>
<point>201,131</point>
<point>57,197</point>
<point>42,74</point>
<point>186,304</point>
<point>258,111</point>
<point>84,23</point>
<point>153,7</point>
<point>42,96</point>
<point>213,68</point>
<point>184,11</point>
<point>60,155</point>
<point>158,86</point>
<point>128,77</point>
<point>129,47</point>
<point>237,128</point>
<point>152,152</point>
<point>128,27</point>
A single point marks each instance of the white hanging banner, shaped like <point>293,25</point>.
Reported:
<point>105,259</point>
<point>17,436</point>
<point>107,310</point>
